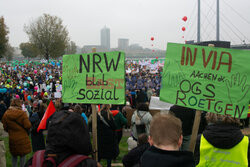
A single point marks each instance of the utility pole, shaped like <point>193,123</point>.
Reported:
<point>199,23</point>
<point>218,22</point>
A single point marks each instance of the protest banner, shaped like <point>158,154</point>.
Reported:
<point>94,78</point>
<point>156,104</point>
<point>207,78</point>
<point>57,95</point>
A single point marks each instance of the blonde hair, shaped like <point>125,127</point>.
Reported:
<point>165,129</point>
<point>106,108</point>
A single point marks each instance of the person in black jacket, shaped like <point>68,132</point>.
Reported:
<point>3,108</point>
<point>132,159</point>
<point>67,135</point>
<point>37,138</point>
<point>107,140</point>
<point>165,139</point>
<point>141,96</point>
<point>222,136</point>
<point>186,115</point>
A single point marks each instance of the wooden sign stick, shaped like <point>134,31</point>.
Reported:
<point>94,126</point>
<point>195,130</point>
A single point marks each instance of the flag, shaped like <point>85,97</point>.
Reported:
<point>99,107</point>
<point>50,110</point>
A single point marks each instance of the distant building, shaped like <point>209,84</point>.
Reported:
<point>135,47</point>
<point>123,44</point>
<point>105,37</point>
<point>88,48</point>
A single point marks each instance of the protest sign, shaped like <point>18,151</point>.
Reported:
<point>57,95</point>
<point>156,104</point>
<point>207,78</point>
<point>95,78</point>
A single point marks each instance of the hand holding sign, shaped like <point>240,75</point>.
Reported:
<point>238,84</point>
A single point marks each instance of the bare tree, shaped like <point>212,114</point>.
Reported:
<point>48,35</point>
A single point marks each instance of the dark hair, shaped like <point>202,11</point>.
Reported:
<point>78,109</point>
<point>84,108</point>
<point>142,107</point>
<point>142,139</point>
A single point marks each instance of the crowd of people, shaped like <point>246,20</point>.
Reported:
<point>156,140</point>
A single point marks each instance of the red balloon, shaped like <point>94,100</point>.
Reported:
<point>157,58</point>
<point>183,28</point>
<point>182,36</point>
<point>152,38</point>
<point>184,18</point>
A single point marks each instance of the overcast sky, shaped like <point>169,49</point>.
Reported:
<point>136,20</point>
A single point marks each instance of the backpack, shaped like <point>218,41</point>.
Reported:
<point>139,124</point>
<point>39,161</point>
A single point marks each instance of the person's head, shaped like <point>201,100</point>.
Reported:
<point>142,107</point>
<point>165,131</point>
<point>142,139</point>
<point>78,109</point>
<point>35,104</point>
<point>43,107</point>
<point>58,105</point>
<point>35,109</point>
<point>65,126</point>
<point>16,103</point>
<point>223,119</point>
<point>106,108</point>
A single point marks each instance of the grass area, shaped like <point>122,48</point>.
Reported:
<point>8,155</point>
<point>123,150</point>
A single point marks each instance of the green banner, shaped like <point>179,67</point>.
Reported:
<point>207,78</point>
<point>96,78</point>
